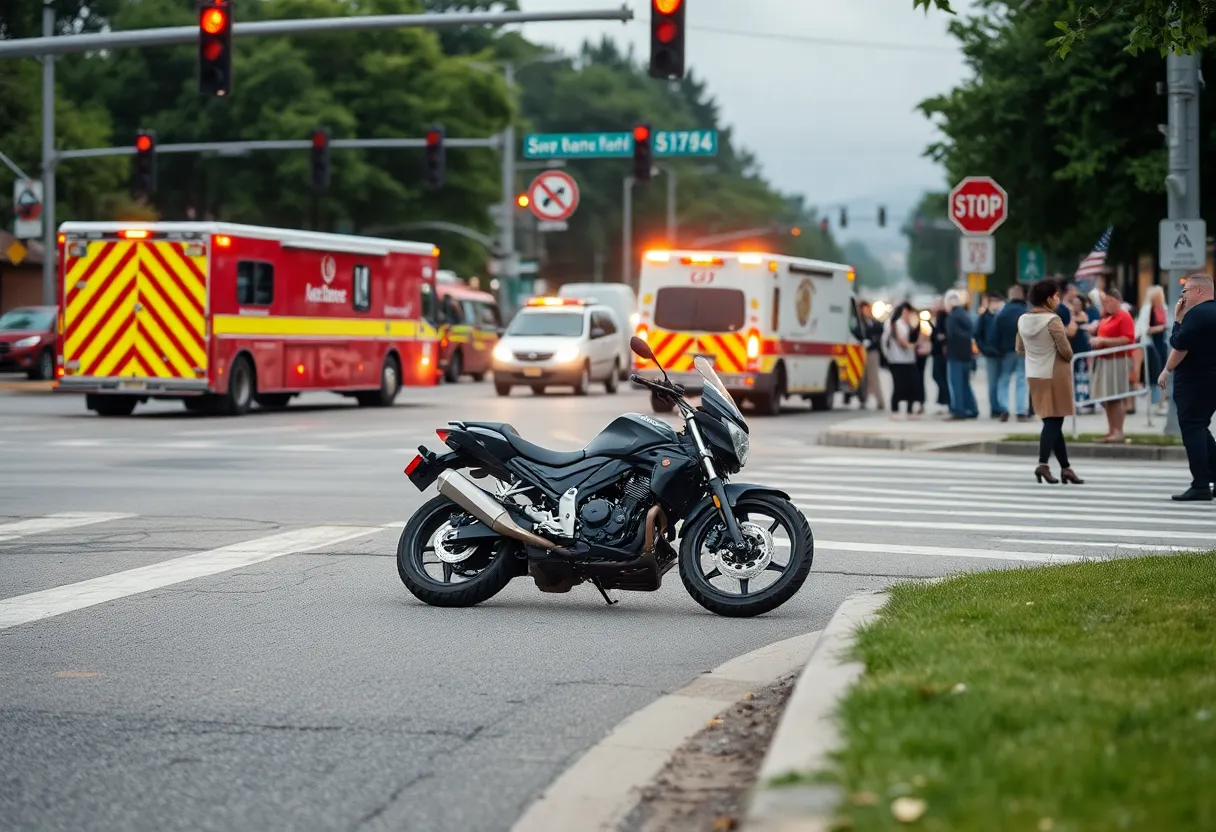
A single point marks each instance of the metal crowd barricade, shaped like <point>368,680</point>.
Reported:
<point>1122,387</point>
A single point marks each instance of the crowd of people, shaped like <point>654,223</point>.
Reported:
<point>1027,342</point>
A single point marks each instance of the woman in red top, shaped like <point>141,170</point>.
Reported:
<point>1112,372</point>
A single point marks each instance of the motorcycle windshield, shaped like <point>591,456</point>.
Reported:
<point>715,388</point>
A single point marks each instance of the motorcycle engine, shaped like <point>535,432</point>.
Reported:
<point>610,522</point>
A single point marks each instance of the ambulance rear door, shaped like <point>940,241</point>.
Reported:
<point>704,304</point>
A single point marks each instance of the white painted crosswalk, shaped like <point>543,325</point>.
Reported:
<point>862,507</point>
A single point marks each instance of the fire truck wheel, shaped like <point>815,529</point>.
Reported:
<point>242,387</point>
<point>390,385</point>
<point>272,401</point>
<point>827,399</point>
<point>455,368</point>
<point>111,405</point>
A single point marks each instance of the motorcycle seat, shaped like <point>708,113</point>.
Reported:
<point>529,450</point>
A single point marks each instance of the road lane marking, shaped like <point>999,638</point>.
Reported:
<point>57,522</point>
<point>944,552</point>
<point>957,465</point>
<point>1104,544</point>
<point>1075,513</point>
<point>989,528</point>
<point>962,476</point>
<point>35,606</point>
<point>1056,497</point>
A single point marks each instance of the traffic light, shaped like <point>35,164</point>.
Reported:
<point>215,47</point>
<point>823,225</point>
<point>145,164</point>
<point>882,217</point>
<point>436,157</point>
<point>667,38</point>
<point>320,159</point>
<point>844,218</point>
<point>641,153</point>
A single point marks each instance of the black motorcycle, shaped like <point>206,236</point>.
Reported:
<point>607,514</point>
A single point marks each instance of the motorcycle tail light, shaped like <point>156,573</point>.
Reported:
<point>443,435</point>
<point>414,463</point>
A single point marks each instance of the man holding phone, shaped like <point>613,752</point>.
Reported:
<point>1193,362</point>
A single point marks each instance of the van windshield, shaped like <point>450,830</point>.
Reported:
<point>701,309</point>
<point>553,324</point>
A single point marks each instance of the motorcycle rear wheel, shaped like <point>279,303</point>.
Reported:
<point>791,575</point>
<point>416,540</point>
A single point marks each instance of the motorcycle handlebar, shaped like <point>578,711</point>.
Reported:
<point>658,386</point>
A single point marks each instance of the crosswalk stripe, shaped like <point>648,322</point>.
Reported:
<point>1016,496</point>
<point>959,479</point>
<point>35,606</point>
<point>57,522</point>
<point>959,474</point>
<point>1045,528</point>
<point>1139,547</point>
<point>943,552</point>
<point>972,509</point>
<point>972,462</point>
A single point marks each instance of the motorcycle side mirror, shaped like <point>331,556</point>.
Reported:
<point>642,349</point>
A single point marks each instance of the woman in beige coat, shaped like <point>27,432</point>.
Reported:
<point>1042,339</point>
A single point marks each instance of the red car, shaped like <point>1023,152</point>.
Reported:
<point>27,341</point>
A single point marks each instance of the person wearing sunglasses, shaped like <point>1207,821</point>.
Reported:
<point>1192,362</point>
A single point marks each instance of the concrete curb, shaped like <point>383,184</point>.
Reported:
<point>845,439</point>
<point>603,786</point>
<point>807,732</point>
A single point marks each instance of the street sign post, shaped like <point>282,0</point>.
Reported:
<point>1183,244</point>
<point>978,205</point>
<point>665,143</point>
<point>977,255</point>
<point>1031,263</point>
<point>553,198</point>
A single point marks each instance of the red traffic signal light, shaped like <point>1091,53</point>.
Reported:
<point>641,133</point>
<point>823,225</point>
<point>320,159</point>
<point>667,38</point>
<point>319,138</point>
<point>143,143</point>
<point>641,153</point>
<point>435,170</point>
<point>432,138</point>
<point>145,164</point>
<point>215,47</point>
<point>213,21</point>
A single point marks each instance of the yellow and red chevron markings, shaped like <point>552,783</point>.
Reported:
<point>135,308</point>
<point>852,365</point>
<point>675,350</point>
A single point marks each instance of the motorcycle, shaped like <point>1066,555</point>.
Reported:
<point>607,514</point>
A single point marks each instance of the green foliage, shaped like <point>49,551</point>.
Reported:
<point>1162,26</point>
<point>1075,143</point>
<point>870,272</point>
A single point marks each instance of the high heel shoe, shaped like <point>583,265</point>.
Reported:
<point>1067,475</point>
<point>1043,472</point>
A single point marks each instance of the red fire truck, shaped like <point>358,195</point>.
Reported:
<point>222,315</point>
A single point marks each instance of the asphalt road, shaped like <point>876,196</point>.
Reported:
<point>293,682</point>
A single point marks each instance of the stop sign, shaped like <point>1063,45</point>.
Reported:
<point>978,205</point>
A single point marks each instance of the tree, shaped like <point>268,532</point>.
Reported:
<point>1074,143</point>
<point>1162,25</point>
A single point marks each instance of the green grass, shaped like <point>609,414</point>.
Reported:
<point>1133,438</point>
<point>1090,700</point>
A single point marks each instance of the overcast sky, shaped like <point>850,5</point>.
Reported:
<point>835,122</point>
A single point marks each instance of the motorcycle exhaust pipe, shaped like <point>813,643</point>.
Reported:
<point>457,488</point>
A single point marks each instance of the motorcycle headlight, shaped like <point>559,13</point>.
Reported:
<point>502,352</point>
<point>26,342</point>
<point>566,354</point>
<point>742,445</point>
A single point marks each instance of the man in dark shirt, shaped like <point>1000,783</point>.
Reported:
<point>1013,366</point>
<point>1193,363</point>
<point>960,333</point>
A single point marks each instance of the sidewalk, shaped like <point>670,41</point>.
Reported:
<point>932,432</point>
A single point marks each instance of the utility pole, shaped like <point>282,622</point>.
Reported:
<point>510,258</point>
<point>1182,183</point>
<point>50,250</point>
<point>627,233</point>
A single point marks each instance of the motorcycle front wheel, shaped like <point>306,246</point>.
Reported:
<point>744,584</point>
<point>445,574</point>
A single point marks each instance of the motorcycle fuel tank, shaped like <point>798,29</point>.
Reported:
<point>629,434</point>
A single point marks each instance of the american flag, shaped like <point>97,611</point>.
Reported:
<point>1095,261</point>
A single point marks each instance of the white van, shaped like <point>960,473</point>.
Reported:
<point>622,300</point>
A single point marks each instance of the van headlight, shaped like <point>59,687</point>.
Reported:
<point>502,352</point>
<point>742,445</point>
<point>566,354</point>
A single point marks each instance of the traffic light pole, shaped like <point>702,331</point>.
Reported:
<point>47,46</point>
<point>510,257</point>
<point>627,232</point>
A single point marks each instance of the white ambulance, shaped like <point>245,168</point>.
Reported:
<point>773,326</point>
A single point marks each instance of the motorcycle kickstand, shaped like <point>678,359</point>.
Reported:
<point>596,583</point>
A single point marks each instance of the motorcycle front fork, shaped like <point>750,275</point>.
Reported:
<point>716,486</point>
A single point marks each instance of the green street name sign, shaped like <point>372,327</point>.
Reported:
<point>664,143</point>
<point>1032,263</point>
